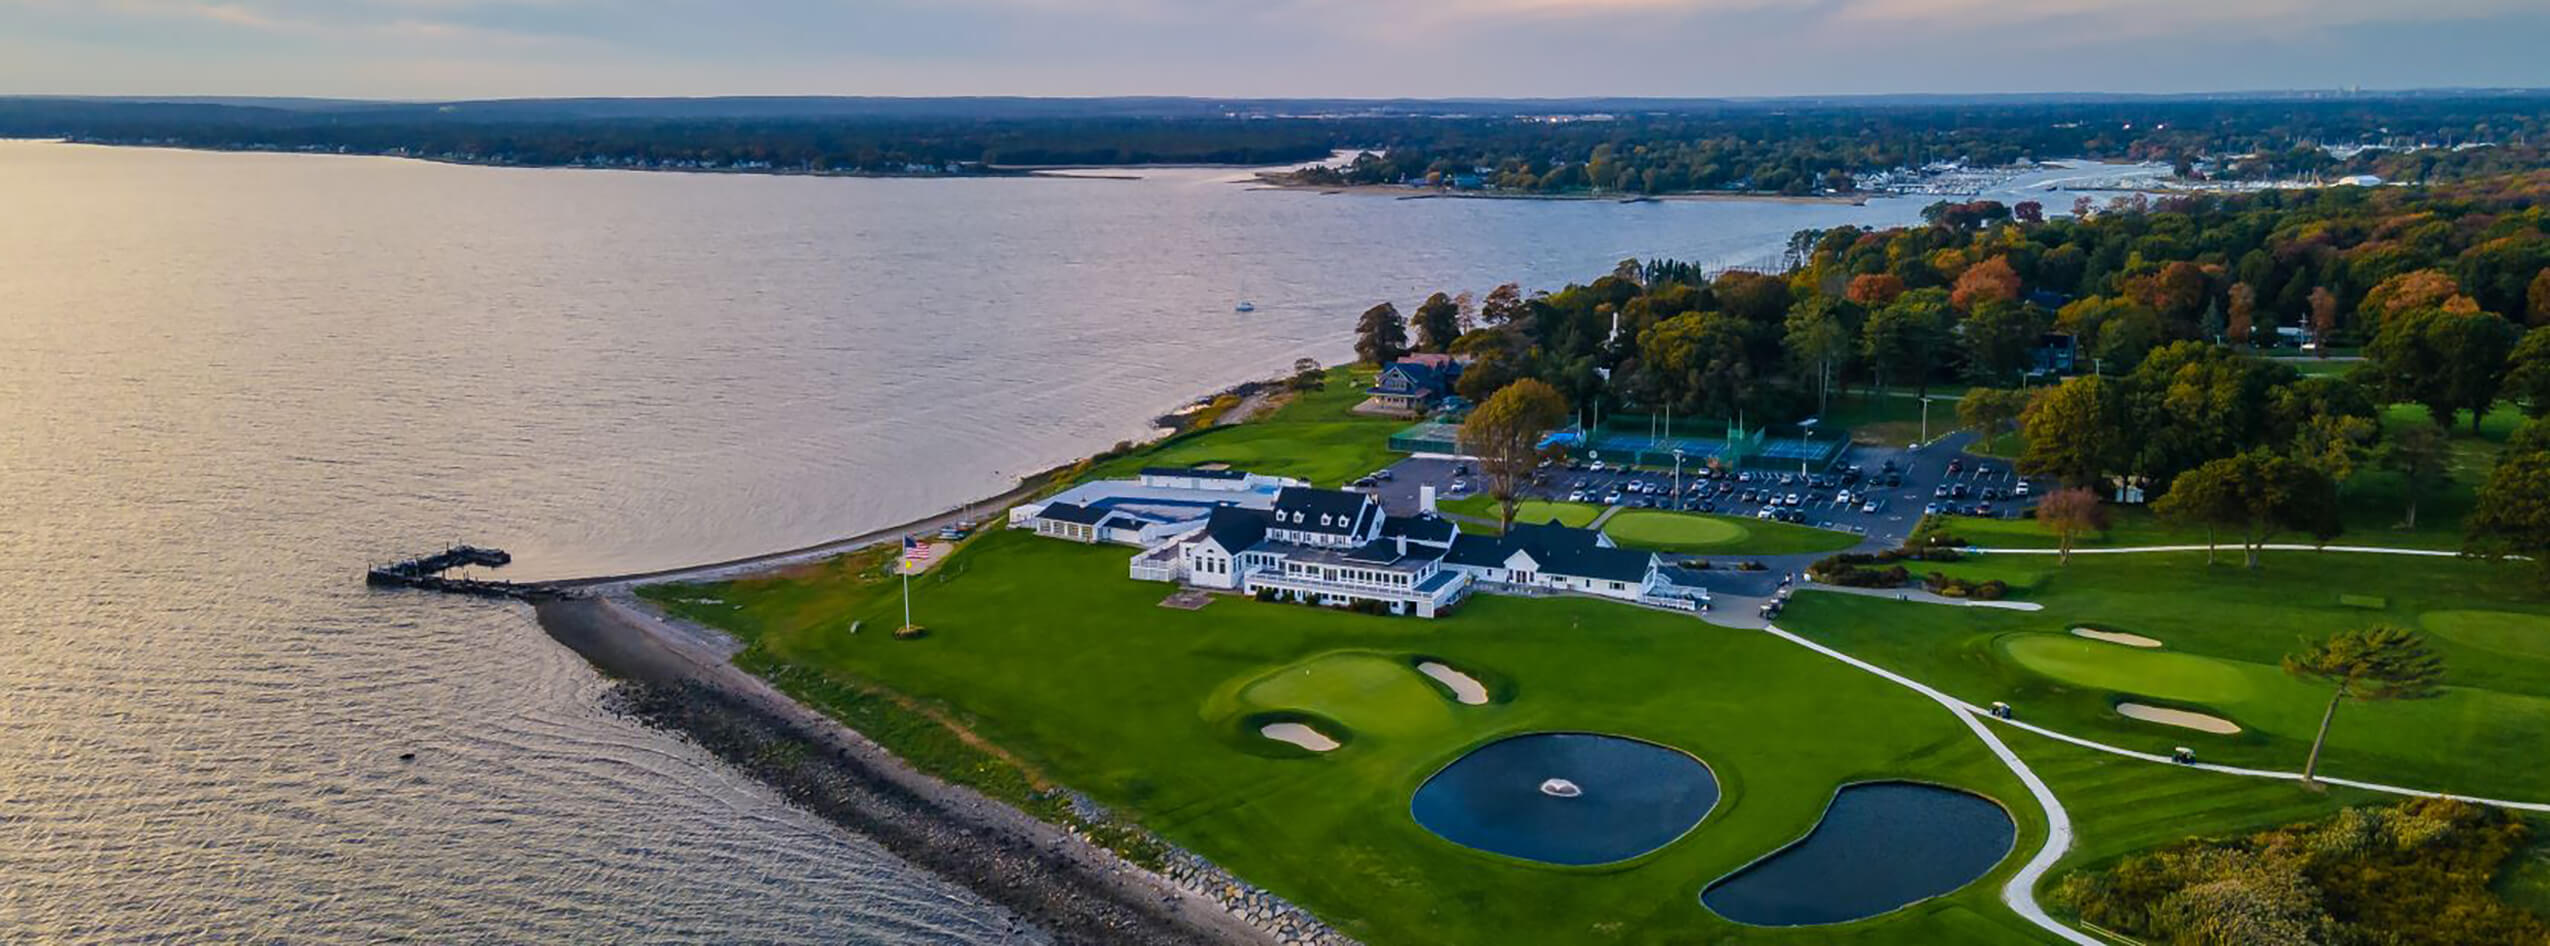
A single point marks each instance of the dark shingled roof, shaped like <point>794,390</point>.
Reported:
<point>1300,508</point>
<point>1556,549</point>
<point>1477,551</point>
<point>1072,513</point>
<point>1607,564</point>
<point>1433,529</point>
<point>1235,528</point>
<point>1196,473</point>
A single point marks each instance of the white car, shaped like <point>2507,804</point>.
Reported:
<point>1596,467</point>
<point>1765,512</point>
<point>1869,507</point>
<point>2021,489</point>
<point>1575,495</point>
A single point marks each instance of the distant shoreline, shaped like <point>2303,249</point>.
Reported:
<point>1274,182</point>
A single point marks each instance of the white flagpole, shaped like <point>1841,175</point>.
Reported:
<point>906,569</point>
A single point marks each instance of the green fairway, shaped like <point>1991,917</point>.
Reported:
<point>2227,629</point>
<point>1698,534</point>
<point>1045,650</point>
<point>2507,633</point>
<point>2121,806</point>
<point>2129,670</point>
<point>1315,436</point>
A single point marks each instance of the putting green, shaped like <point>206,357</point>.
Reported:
<point>1666,531</point>
<point>2159,674</point>
<point>1369,692</point>
<point>1650,528</point>
<point>2506,632</point>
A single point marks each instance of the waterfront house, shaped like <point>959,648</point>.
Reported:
<point>1413,385</point>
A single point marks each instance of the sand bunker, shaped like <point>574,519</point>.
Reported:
<point>1299,735</point>
<point>2115,637</point>
<point>1464,688</point>
<point>2180,718</point>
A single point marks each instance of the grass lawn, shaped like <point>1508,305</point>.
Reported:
<point>2224,629</point>
<point>1892,419</point>
<point>2374,501</point>
<point>1699,534</point>
<point>1045,650</point>
<point>1315,436</point>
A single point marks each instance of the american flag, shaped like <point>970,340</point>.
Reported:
<point>915,554</point>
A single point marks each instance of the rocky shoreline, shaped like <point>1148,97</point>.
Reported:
<point>679,677</point>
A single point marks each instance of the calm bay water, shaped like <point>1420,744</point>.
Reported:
<point>227,382</point>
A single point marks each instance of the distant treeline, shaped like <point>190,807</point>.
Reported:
<point>1643,146</point>
<point>1800,151</point>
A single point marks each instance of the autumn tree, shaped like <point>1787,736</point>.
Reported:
<point>2368,665</point>
<point>1381,335</point>
<point>2416,289</point>
<point>1438,322</point>
<point>1505,433</point>
<point>1992,279</point>
<point>2068,514</point>
<point>2421,456</point>
<point>1874,290</point>
<point>2257,493</point>
<point>2076,432</point>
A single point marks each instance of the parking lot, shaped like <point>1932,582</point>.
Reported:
<point>1878,492</point>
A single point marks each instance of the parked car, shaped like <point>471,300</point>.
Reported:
<point>2021,489</point>
<point>1869,507</point>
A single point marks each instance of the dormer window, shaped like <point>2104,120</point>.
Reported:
<point>1323,518</point>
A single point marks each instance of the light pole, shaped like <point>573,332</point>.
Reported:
<point>1925,418</point>
<point>1677,476</point>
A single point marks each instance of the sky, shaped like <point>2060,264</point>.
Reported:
<point>455,49</point>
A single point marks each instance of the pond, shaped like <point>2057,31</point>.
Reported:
<point>1881,846</point>
<point>1567,798</point>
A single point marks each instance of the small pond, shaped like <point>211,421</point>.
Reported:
<point>1567,798</point>
<point>1881,846</point>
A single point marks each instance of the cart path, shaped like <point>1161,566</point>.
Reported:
<point>2020,893</point>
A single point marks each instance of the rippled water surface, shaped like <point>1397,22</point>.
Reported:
<point>228,381</point>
